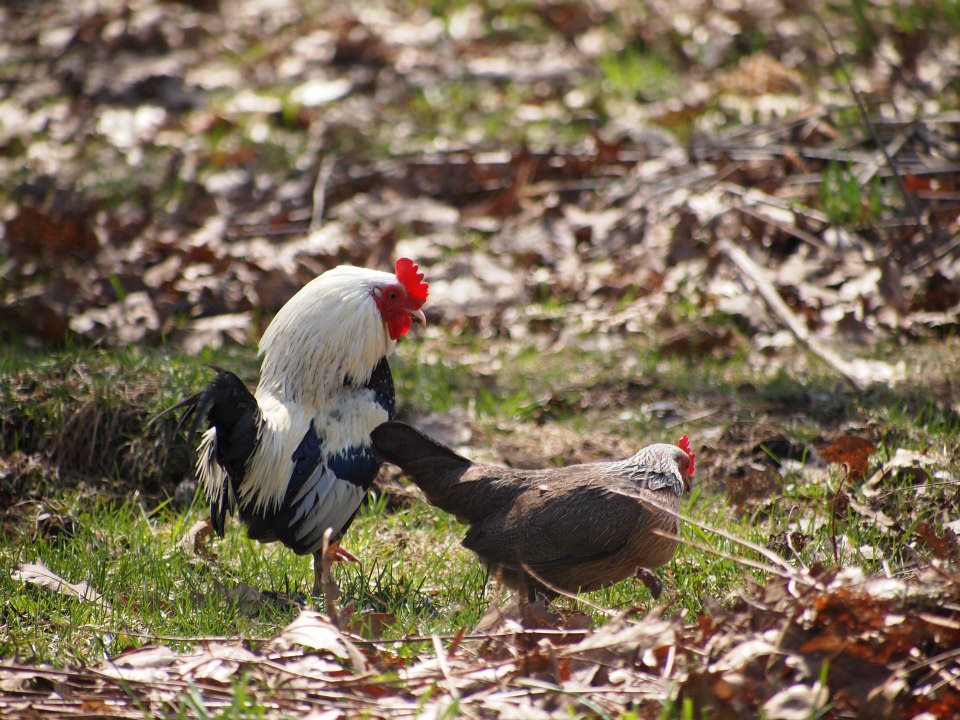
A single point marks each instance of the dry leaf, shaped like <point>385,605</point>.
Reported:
<point>909,462</point>
<point>312,630</point>
<point>42,576</point>
<point>852,451</point>
<point>943,546</point>
<point>798,702</point>
<point>195,540</point>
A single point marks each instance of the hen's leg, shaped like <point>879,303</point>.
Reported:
<point>323,561</point>
<point>341,554</point>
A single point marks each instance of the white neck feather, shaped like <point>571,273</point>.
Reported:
<point>330,330</point>
<point>653,467</point>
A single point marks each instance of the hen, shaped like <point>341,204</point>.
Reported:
<point>580,527</point>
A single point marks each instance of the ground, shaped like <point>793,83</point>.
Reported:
<point>729,220</point>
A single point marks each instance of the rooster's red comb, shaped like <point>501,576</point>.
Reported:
<point>412,280</point>
<point>684,445</point>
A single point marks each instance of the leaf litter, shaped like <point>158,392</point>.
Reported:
<point>39,574</point>
<point>221,185</point>
<point>240,230</point>
<point>839,642</point>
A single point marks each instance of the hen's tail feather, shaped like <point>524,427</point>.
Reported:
<point>403,444</point>
<point>431,465</point>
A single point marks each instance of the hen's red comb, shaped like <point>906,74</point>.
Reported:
<point>684,445</point>
<point>412,280</point>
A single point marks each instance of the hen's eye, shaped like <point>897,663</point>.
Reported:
<point>393,295</point>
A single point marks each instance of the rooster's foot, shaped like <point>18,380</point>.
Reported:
<point>324,583</point>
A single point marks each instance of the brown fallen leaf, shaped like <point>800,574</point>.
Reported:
<point>40,575</point>
<point>196,538</point>
<point>943,546</point>
<point>852,451</point>
<point>372,624</point>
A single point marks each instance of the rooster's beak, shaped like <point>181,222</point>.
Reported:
<point>418,316</point>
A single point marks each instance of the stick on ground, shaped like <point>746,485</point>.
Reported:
<point>858,372</point>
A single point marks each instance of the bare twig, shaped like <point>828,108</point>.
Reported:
<point>320,191</point>
<point>833,518</point>
<point>739,559</point>
<point>851,372</point>
<point>947,249</point>
<point>564,593</point>
<point>780,566</point>
<point>783,227</point>
<point>892,150</point>
<point>445,669</point>
<point>693,418</point>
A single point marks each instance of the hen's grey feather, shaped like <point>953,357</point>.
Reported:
<point>568,528</point>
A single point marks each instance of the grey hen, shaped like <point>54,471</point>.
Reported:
<point>580,527</point>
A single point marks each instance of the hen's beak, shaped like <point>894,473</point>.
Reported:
<point>687,485</point>
<point>418,316</point>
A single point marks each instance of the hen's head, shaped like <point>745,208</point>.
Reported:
<point>686,469</point>
<point>399,301</point>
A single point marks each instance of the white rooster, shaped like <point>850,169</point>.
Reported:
<point>294,459</point>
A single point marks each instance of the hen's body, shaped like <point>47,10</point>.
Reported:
<point>575,528</point>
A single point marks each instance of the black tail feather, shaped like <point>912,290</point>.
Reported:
<point>404,445</point>
<point>218,512</point>
<point>227,405</point>
<point>190,403</point>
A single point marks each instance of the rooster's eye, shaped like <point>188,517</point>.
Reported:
<point>392,295</point>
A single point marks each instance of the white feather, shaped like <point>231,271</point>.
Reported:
<point>347,424</point>
<point>213,478</point>
<point>330,330</point>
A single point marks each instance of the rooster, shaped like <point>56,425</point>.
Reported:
<point>294,458</point>
<point>558,530</point>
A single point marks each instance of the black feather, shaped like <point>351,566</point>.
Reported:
<point>404,445</point>
<point>381,382</point>
<point>228,406</point>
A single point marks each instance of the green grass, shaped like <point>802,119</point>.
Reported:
<point>109,528</point>
<point>639,76</point>
<point>844,200</point>
<point>127,551</point>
